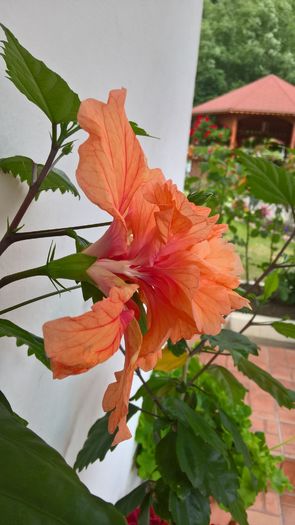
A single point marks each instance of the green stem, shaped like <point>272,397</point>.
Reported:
<point>39,298</point>
<point>247,250</point>
<point>184,374</point>
<point>292,438</point>
<point>41,270</point>
<point>72,131</point>
<point>185,369</point>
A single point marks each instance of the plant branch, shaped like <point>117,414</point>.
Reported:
<point>214,352</point>
<point>150,392</point>
<point>196,376</point>
<point>145,411</point>
<point>199,348</point>
<point>39,298</point>
<point>56,232</point>
<point>248,323</point>
<point>272,264</point>
<point>32,192</point>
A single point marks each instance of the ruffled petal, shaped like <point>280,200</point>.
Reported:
<point>76,344</point>
<point>116,397</point>
<point>141,223</point>
<point>112,165</point>
<point>211,303</point>
<point>219,261</point>
<point>112,243</point>
<point>168,291</point>
<point>104,278</point>
<point>178,218</point>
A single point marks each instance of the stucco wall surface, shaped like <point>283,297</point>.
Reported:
<point>149,47</point>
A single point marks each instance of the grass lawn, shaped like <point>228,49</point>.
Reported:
<point>259,249</point>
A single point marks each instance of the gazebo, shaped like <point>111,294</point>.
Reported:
<point>264,108</point>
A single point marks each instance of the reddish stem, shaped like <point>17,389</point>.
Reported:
<point>7,240</point>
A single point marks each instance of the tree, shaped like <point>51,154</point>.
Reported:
<point>243,41</point>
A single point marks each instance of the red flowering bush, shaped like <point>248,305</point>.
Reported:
<point>132,518</point>
<point>204,131</point>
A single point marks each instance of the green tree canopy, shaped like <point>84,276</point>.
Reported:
<point>242,41</point>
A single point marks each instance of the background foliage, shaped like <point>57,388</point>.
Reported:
<point>243,41</point>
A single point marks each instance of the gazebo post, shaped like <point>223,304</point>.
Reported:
<point>292,141</point>
<point>234,131</point>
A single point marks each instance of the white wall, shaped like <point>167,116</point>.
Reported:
<point>150,47</point>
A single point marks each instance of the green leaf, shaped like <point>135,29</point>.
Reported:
<point>238,512</point>
<point>144,515</point>
<point>194,509</point>
<point>161,499</point>
<point>282,395</point>
<point>227,382</point>
<point>199,197</point>
<point>230,340</point>
<point>34,343</point>
<point>214,469</point>
<point>178,348</point>
<point>97,444</point>
<point>5,402</point>
<point>38,83</point>
<point>234,431</point>
<point>70,267</point>
<point>180,411</point>
<point>57,180</point>
<point>222,482</point>
<point>89,291</point>
<point>132,500</point>
<point>271,284</point>
<point>207,469</point>
<point>142,321</point>
<point>286,329</point>
<point>37,485</point>
<point>98,441</point>
<point>139,131</point>
<point>223,485</point>
<point>192,455</point>
<point>269,182</point>
<point>26,169</point>
<point>168,466</point>
<point>80,242</point>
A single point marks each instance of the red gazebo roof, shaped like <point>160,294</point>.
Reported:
<point>269,95</point>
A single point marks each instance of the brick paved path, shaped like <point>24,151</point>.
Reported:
<point>277,423</point>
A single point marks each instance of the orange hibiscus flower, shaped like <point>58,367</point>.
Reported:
<point>161,247</point>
